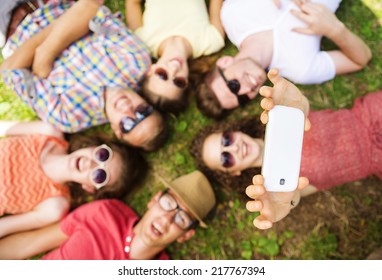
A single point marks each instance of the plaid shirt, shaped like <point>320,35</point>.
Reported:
<point>72,97</point>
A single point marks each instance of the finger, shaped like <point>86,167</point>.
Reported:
<point>254,191</point>
<point>262,223</point>
<point>274,77</point>
<point>300,15</point>
<point>267,104</point>
<point>264,117</point>
<point>307,125</point>
<point>306,31</point>
<point>254,206</point>
<point>258,179</point>
<point>277,3</point>
<point>266,91</point>
<point>302,182</point>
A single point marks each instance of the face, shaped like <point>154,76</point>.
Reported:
<point>232,152</point>
<point>131,118</point>
<point>94,167</point>
<point>250,75</point>
<point>158,227</point>
<point>168,77</point>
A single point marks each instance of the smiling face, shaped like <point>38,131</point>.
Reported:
<point>247,72</point>
<point>168,78</point>
<point>122,103</point>
<point>81,164</point>
<point>237,151</point>
<point>157,227</point>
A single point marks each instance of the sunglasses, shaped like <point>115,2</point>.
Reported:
<point>178,81</point>
<point>182,219</point>
<point>99,176</point>
<point>227,160</point>
<point>234,87</point>
<point>127,124</point>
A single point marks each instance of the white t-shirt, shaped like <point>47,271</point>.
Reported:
<point>297,56</point>
<point>187,18</point>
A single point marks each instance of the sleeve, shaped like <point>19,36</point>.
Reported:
<point>77,218</point>
<point>321,69</point>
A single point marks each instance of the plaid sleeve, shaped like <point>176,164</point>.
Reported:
<point>69,109</point>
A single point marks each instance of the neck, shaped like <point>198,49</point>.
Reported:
<point>139,250</point>
<point>52,165</point>
<point>258,47</point>
<point>175,46</point>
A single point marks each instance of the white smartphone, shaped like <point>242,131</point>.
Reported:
<point>283,147</point>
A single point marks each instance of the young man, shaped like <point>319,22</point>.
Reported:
<point>109,229</point>
<point>78,91</point>
<point>287,38</point>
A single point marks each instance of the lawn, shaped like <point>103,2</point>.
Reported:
<point>344,223</point>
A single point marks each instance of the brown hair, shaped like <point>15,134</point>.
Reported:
<point>174,106</point>
<point>251,126</point>
<point>206,99</point>
<point>160,138</point>
<point>133,169</point>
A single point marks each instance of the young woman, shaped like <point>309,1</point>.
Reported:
<point>36,170</point>
<point>175,31</point>
<point>341,146</point>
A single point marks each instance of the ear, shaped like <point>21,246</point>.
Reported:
<point>89,189</point>
<point>186,236</point>
<point>235,173</point>
<point>153,200</point>
<point>224,61</point>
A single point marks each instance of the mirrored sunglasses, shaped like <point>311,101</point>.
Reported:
<point>99,176</point>
<point>227,160</point>
<point>127,124</point>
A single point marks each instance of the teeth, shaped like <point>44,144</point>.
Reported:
<point>252,80</point>
<point>244,149</point>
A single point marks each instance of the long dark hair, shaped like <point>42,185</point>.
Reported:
<point>204,69</point>
<point>133,169</point>
<point>251,126</point>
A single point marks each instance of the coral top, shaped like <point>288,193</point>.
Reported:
<point>23,183</point>
<point>344,145</point>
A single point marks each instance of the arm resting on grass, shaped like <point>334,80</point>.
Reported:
<point>27,244</point>
<point>14,128</point>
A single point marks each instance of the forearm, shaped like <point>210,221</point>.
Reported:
<point>133,14</point>
<point>71,26</point>
<point>14,128</point>
<point>350,44</point>
<point>214,11</point>
<point>23,55</point>
<point>27,244</point>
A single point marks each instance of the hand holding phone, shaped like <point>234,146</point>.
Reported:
<point>283,147</point>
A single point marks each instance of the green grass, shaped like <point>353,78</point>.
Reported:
<point>230,234</point>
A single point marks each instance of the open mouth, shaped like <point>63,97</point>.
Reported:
<point>244,150</point>
<point>77,165</point>
<point>155,230</point>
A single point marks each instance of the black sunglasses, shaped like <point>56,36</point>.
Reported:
<point>227,160</point>
<point>127,124</point>
<point>234,87</point>
<point>178,81</point>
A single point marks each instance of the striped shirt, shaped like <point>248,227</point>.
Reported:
<point>72,97</point>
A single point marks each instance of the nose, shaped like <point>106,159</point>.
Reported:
<point>233,148</point>
<point>168,217</point>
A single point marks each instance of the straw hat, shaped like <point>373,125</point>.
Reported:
<point>195,192</point>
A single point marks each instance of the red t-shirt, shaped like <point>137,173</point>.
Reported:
<point>99,230</point>
<point>344,145</point>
